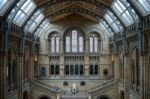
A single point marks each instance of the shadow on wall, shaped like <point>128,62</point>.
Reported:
<point>102,97</point>
<point>44,97</point>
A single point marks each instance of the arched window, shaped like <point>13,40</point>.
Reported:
<point>74,41</point>
<point>94,43</point>
<point>54,42</point>
<point>67,44</point>
<point>80,44</point>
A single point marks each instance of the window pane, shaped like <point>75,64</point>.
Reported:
<point>2,3</point>
<point>52,44</point>
<point>24,12</point>
<point>143,6</point>
<point>122,12</point>
<point>91,44</point>
<point>80,44</point>
<point>74,41</point>
<point>57,44</point>
<point>95,44</point>
<point>67,44</point>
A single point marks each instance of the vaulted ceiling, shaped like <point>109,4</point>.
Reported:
<point>58,9</point>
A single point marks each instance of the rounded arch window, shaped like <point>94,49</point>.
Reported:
<point>54,40</point>
<point>74,41</point>
<point>94,42</point>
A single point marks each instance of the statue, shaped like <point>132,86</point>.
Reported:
<point>74,89</point>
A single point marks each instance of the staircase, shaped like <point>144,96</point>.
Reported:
<point>79,95</point>
<point>38,85</point>
<point>102,88</point>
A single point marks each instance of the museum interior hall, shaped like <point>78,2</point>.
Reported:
<point>74,49</point>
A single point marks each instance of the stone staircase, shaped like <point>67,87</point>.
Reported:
<point>97,90</point>
<point>38,85</point>
<point>79,95</point>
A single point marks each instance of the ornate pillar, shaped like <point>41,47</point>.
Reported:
<point>61,58</point>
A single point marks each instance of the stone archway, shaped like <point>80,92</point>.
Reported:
<point>25,95</point>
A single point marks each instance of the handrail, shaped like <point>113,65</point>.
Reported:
<point>99,87</point>
<point>44,87</point>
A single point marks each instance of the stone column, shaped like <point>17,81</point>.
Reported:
<point>116,67</point>
<point>20,75</point>
<point>86,58</point>
<point>127,67</point>
<point>142,72</point>
<point>3,73</point>
<point>61,58</point>
<point>144,66</point>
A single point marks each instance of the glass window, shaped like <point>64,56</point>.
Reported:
<point>57,44</point>
<point>91,44</point>
<point>53,44</point>
<point>95,44</point>
<point>143,6</point>
<point>105,28</point>
<point>4,4</point>
<point>122,12</point>
<point>42,28</point>
<point>67,44</point>
<point>74,41</point>
<point>80,44</point>
<point>111,23</point>
<point>36,21</point>
<point>24,12</point>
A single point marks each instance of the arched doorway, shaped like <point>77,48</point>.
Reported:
<point>121,95</point>
<point>25,95</point>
